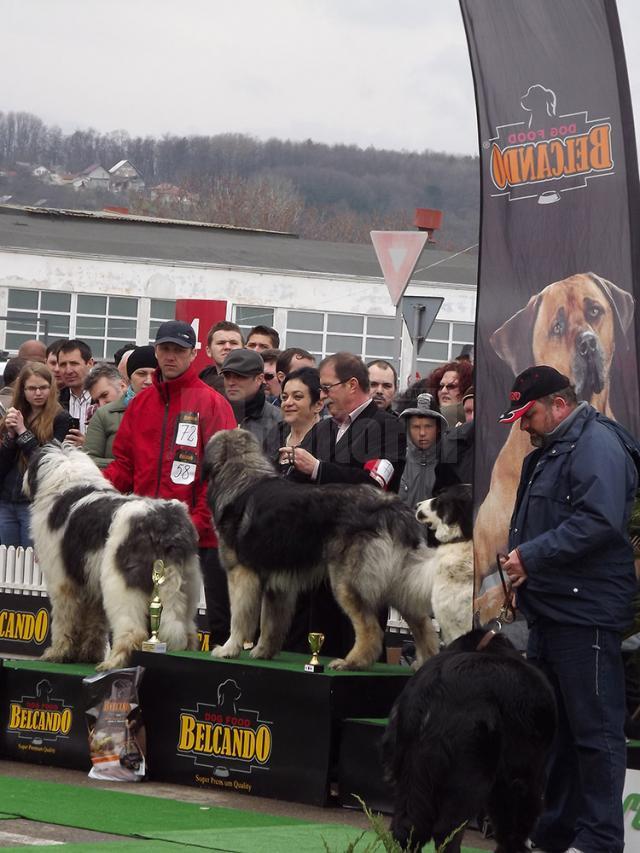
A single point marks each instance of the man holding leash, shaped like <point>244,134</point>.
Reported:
<point>159,447</point>
<point>571,562</point>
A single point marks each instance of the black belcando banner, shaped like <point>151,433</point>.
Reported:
<point>558,245</point>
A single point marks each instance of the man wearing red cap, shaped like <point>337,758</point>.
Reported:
<point>571,562</point>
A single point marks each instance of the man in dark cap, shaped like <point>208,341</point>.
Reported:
<point>243,374</point>
<point>571,562</point>
<point>159,447</point>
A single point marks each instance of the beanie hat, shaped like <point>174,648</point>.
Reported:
<point>141,357</point>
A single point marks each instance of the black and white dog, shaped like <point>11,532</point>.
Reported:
<point>96,548</point>
<point>469,735</point>
<point>279,538</point>
<point>449,517</point>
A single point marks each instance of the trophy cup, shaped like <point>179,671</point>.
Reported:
<point>315,644</point>
<point>153,644</point>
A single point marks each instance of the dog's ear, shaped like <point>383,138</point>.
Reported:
<point>509,340</point>
<point>620,300</point>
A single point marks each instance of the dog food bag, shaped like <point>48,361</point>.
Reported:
<point>116,730</point>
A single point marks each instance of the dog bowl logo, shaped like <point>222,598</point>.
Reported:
<point>548,153</point>
<point>41,717</point>
<point>23,626</point>
<point>224,736</point>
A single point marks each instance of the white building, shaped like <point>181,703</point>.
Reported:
<point>125,176</point>
<point>110,279</point>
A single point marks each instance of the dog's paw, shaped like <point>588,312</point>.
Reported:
<point>260,652</point>
<point>346,664</point>
<point>112,662</point>
<point>56,655</point>
<point>229,650</point>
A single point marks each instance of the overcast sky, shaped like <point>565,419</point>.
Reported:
<point>387,73</point>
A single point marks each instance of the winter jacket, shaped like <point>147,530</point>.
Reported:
<point>101,432</point>
<point>158,449</point>
<point>259,418</point>
<point>569,525</point>
<point>419,474</point>
<point>11,451</point>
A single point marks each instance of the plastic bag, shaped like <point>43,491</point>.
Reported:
<point>116,731</point>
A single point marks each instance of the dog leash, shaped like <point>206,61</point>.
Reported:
<point>507,613</point>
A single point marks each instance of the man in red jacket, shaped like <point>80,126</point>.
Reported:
<point>159,447</point>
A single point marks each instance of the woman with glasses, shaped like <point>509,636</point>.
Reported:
<point>34,418</point>
<point>300,405</point>
<point>448,384</point>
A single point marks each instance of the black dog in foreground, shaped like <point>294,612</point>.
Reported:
<point>469,735</point>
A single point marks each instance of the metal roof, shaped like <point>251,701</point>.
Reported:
<point>171,241</point>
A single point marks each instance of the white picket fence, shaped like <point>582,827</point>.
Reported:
<point>19,571</point>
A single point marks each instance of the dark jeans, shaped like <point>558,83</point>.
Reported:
<point>15,519</point>
<point>216,594</point>
<point>583,797</point>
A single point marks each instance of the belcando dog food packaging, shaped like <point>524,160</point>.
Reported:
<point>115,726</point>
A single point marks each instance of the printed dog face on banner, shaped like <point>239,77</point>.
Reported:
<point>574,325</point>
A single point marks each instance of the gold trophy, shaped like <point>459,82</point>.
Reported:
<point>153,644</point>
<point>315,644</point>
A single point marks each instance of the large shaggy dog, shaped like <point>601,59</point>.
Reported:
<point>450,518</point>
<point>278,538</point>
<point>469,735</point>
<point>96,549</point>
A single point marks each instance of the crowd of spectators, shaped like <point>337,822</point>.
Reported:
<point>336,421</point>
<point>278,395</point>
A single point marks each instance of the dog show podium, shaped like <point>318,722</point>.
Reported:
<point>264,728</point>
<point>260,727</point>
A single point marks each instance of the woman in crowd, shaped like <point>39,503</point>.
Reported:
<point>448,384</point>
<point>103,426</point>
<point>34,418</point>
<point>301,407</point>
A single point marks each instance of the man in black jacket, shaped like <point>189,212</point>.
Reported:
<point>359,443</point>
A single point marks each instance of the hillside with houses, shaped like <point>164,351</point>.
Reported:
<point>326,192</point>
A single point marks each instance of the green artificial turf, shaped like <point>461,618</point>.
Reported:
<point>163,824</point>
<point>119,813</point>
<point>79,669</point>
<point>293,662</point>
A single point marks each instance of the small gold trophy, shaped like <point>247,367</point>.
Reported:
<point>153,644</point>
<point>315,644</point>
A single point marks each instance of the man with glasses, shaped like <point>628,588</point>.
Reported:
<point>358,443</point>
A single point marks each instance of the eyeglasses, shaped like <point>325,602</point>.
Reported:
<point>325,388</point>
<point>448,385</point>
<point>33,389</point>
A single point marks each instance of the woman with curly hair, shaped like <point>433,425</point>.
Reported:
<point>448,384</point>
<point>34,418</point>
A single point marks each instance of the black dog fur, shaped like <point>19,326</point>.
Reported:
<point>469,735</point>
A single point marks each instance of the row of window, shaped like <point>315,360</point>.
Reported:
<point>108,322</point>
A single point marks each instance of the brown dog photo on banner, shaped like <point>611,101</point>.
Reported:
<point>575,326</point>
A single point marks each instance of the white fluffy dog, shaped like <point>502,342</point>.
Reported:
<point>96,549</point>
<point>449,516</point>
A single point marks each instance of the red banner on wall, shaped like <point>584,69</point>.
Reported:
<point>202,314</point>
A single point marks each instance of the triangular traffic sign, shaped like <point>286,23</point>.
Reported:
<point>398,253</point>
